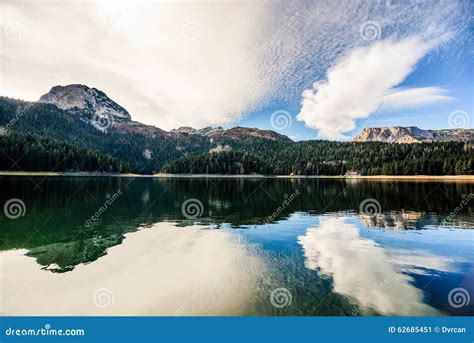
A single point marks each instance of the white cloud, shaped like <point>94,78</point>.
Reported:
<point>364,82</point>
<point>361,270</point>
<point>245,55</point>
<point>160,271</point>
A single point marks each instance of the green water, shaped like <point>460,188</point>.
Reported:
<point>236,246</point>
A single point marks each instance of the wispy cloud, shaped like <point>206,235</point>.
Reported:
<point>363,82</point>
<point>198,63</point>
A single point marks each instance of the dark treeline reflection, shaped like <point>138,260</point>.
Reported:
<point>54,225</point>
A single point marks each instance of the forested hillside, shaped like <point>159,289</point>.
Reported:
<point>26,152</point>
<point>145,149</point>
<point>337,158</point>
<point>49,121</point>
<point>49,138</point>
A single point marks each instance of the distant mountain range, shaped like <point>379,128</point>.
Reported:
<point>84,130</point>
<point>412,134</point>
<point>94,105</point>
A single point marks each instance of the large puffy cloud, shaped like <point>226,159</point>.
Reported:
<point>194,63</point>
<point>363,270</point>
<point>162,270</point>
<point>364,82</point>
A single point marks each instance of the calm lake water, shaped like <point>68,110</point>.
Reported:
<point>156,246</point>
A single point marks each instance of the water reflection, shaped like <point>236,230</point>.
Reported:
<point>161,270</point>
<point>404,260</point>
<point>360,268</point>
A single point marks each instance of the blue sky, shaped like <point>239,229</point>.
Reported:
<point>330,68</point>
<point>450,67</point>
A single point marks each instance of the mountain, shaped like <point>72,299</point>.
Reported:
<point>77,128</point>
<point>96,107</point>
<point>87,118</point>
<point>87,100</point>
<point>412,134</point>
<point>235,132</point>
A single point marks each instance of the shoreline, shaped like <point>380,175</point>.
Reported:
<point>464,178</point>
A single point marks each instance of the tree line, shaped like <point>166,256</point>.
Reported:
<point>28,152</point>
<point>336,158</point>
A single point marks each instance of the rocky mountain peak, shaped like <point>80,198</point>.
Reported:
<point>91,100</point>
<point>237,132</point>
<point>411,134</point>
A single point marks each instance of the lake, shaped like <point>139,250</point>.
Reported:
<point>219,246</point>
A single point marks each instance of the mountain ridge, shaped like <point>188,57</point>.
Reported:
<point>93,105</point>
<point>412,134</point>
<point>87,120</point>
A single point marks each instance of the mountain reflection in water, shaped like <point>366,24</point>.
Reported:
<point>143,256</point>
<point>161,270</point>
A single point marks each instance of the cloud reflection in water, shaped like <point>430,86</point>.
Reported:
<point>360,269</point>
<point>162,270</point>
